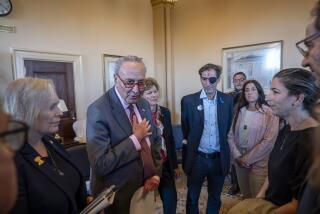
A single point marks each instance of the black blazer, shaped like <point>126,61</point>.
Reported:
<point>192,122</point>
<point>165,118</point>
<point>40,190</point>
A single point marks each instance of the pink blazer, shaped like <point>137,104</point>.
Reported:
<point>260,140</point>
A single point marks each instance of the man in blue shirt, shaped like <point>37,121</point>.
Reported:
<point>206,117</point>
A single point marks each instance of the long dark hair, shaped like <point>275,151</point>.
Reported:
<point>243,102</point>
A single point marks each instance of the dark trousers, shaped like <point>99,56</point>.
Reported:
<point>234,179</point>
<point>167,190</point>
<point>205,168</point>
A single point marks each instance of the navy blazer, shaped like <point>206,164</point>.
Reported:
<point>40,188</point>
<point>192,122</point>
<point>165,118</point>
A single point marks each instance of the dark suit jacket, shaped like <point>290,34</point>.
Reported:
<point>112,154</point>
<point>165,118</point>
<point>192,122</point>
<point>40,188</point>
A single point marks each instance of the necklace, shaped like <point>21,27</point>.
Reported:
<point>56,168</point>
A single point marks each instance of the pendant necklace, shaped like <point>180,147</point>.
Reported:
<point>56,168</point>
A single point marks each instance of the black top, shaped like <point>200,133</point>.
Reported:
<point>165,118</point>
<point>41,188</point>
<point>289,163</point>
<point>70,177</point>
<point>236,95</point>
<point>310,201</point>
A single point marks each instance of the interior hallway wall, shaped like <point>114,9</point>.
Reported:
<point>204,27</point>
<point>81,27</point>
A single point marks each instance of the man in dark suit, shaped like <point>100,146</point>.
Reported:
<point>206,118</point>
<point>119,132</point>
<point>239,79</point>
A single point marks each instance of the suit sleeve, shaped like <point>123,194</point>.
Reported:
<point>235,153</point>
<point>264,147</point>
<point>185,129</point>
<point>231,111</point>
<point>103,157</point>
<point>21,205</point>
<point>184,119</point>
<point>156,154</point>
<point>172,142</point>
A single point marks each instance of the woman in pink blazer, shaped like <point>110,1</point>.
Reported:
<point>251,138</point>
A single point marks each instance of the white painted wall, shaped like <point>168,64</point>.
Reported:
<point>204,27</point>
<point>80,27</point>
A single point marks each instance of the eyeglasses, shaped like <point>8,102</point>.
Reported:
<point>239,80</point>
<point>131,83</point>
<point>304,45</point>
<point>16,135</point>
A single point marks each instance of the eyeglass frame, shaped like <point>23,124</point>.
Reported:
<point>239,80</point>
<point>306,40</point>
<point>24,128</point>
<point>134,84</point>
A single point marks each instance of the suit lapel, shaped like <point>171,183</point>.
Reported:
<point>44,168</point>
<point>220,112</point>
<point>119,113</point>
<point>146,113</point>
<point>199,108</point>
<point>142,110</point>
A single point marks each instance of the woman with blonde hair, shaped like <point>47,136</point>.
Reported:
<point>48,181</point>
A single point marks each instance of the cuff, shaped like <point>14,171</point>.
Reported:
<point>136,143</point>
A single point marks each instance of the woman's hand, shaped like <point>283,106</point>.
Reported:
<point>242,163</point>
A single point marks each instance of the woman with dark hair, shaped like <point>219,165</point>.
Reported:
<point>292,97</point>
<point>251,138</point>
<point>162,118</point>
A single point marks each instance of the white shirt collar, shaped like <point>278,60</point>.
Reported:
<point>123,102</point>
<point>203,95</point>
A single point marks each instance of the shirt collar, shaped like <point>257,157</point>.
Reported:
<point>124,103</point>
<point>203,95</point>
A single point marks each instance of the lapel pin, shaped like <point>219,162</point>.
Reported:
<point>200,107</point>
<point>38,160</point>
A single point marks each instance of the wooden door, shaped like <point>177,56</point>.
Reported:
<point>61,73</point>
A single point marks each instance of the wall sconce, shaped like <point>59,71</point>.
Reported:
<point>62,106</point>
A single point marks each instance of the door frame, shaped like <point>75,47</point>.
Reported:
<point>19,71</point>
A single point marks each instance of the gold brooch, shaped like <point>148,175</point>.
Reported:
<point>38,160</point>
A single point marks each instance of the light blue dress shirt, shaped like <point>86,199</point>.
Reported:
<point>209,142</point>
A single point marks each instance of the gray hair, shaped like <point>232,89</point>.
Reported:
<point>124,59</point>
<point>23,98</point>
